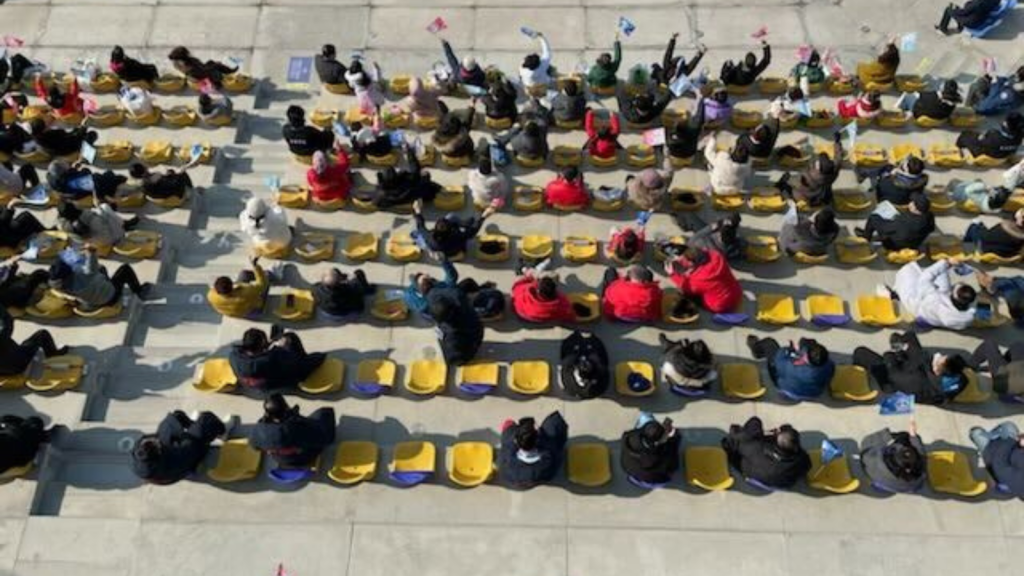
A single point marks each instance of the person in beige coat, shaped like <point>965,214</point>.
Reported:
<point>487,184</point>
<point>647,189</point>
<point>729,170</point>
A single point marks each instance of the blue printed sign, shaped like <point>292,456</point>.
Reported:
<point>300,69</point>
<point>895,404</point>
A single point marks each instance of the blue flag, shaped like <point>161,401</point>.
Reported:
<point>340,130</point>
<point>626,26</point>
<point>397,138</point>
<point>829,451</point>
<point>895,404</point>
<point>528,32</point>
<point>273,182</point>
<point>643,217</point>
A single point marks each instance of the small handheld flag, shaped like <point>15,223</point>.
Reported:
<point>626,26</point>
<point>436,25</point>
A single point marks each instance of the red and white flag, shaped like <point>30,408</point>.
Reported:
<point>437,25</point>
<point>760,33</point>
<point>13,42</point>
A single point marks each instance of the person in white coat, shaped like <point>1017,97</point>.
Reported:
<point>931,297</point>
<point>266,226</point>
<point>536,70</point>
<point>487,184</point>
<point>729,171</point>
<point>138,102</point>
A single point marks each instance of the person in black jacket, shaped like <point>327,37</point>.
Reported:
<point>1005,238</point>
<point>14,139</point>
<point>466,71</point>
<point>292,440</point>
<point>747,71</point>
<point>178,447</point>
<point>488,301</point>
<point>531,456</point>
<point>673,66</point>
<point>451,234</point>
<point>644,108</point>
<point>935,105</point>
<point>60,142</point>
<point>895,461</point>
<point>1002,450</point>
<point>403,185</point>
<point>266,365</point>
<point>20,439</point>
<point>12,71</point>
<point>908,368</point>
<point>681,140</point>
<point>997,143</point>
<point>760,141</point>
<point>171,184</point>
<point>15,358</point>
<point>75,181</point>
<point>650,451</point>
<point>304,140</point>
<point>459,329</point>
<point>130,69</point>
<point>688,366</point>
<point>973,14</point>
<point>570,105</point>
<point>584,365</point>
<point>898,184</point>
<point>337,295</point>
<point>328,69</point>
<point>774,459</point>
<point>16,229</point>
<point>197,70</point>
<point>907,230</point>
<point>19,290</point>
<point>500,100</point>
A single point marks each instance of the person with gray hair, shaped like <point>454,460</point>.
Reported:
<point>338,295</point>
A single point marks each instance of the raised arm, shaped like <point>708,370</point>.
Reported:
<point>670,51</point>
<point>545,51</point>
<point>616,56</point>
<point>766,58</point>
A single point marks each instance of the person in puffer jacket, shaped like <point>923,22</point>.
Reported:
<point>486,184</point>
<point>536,298</point>
<point>650,451</point>
<point>729,171</point>
<point>1002,450</point>
<point>292,440</point>
<point>584,366</point>
<point>530,456</point>
<point>603,141</point>
<point>648,188</point>
<point>803,371</point>
<point>265,365</point>
<point>635,297</point>
<point>705,276</point>
<point>687,365</point>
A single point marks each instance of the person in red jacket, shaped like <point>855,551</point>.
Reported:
<point>635,297</point>
<point>603,141</point>
<point>62,103</point>
<point>567,190</point>
<point>536,298</point>
<point>705,275</point>
<point>327,181</point>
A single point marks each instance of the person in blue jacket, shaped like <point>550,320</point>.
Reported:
<point>990,97</point>
<point>422,283</point>
<point>1002,449</point>
<point>804,370</point>
<point>530,456</point>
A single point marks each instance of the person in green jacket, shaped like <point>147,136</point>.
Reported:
<point>602,73</point>
<point>806,73</point>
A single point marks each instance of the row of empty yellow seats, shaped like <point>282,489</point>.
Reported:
<point>587,464</point>
<point>738,380</point>
<point>856,251</point>
<point>110,115</point>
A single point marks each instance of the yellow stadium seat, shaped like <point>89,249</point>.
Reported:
<point>498,123</point>
<point>746,119</point>
<point>579,249</point>
<point>451,198</point>
<point>893,119</point>
<point>455,161</point>
<point>969,207</point>
<point>293,196</point>
<point>527,162</point>
<point>603,90</point>
<point>50,306</point>
<point>640,156</point>
<point>300,308</point>
<point>873,310</point>
<point>104,83</point>
<point>354,462</point>
<point>426,122</point>
<point>389,306</point>
<point>427,377</point>
<point>589,300</point>
<point>834,477</point>
<point>669,299</point>
<point>841,86</point>
<point>37,156</point>
<point>910,83</point>
<point>167,83</point>
<point>238,82</point>
<point>236,461</point>
<point>566,156</point>
<point>60,373</point>
<point>879,86</point>
<point>945,156</point>
<point>868,155</point>
<point>1016,201</point>
<point>117,152</point>
<point>769,85</point>
<point>156,152</point>
<point>305,160</point>
<point>941,201</point>
<point>383,161</point>
<point>810,259</point>
<point>599,162</point>
<point>317,246</point>
<point>794,162</point>
<point>413,456</point>
<point>904,256</point>
<point>601,205</point>
<point>767,199</point>
<point>355,114</point>
<point>964,117</point>
<point>623,371</point>
<point>949,472</point>
<point>569,124</point>
<point>851,383</point>
<point>272,252</point>
<point>395,120</point>
<point>152,118</point>
<point>139,244</point>
<point>789,122</point>
<point>327,379</point>
<point>854,250</point>
<point>820,118</point>
<point>471,463</point>
<point>741,380</point>
<point>215,375</point>
<point>361,246</point>
<point>994,259</point>
<point>322,118</point>
<point>686,199</point>
<point>528,198</point>
<point>589,464</point>
<point>824,305</point>
<point>973,393</point>
<point>679,162</point>
<point>13,381</point>
<point>341,88</point>
<point>180,116</point>
<point>503,254</point>
<point>219,120</point>
<point>104,313</point>
<point>478,374</point>
<point>707,467</point>
<point>205,154</point>
<point>735,90</point>
<point>402,248</point>
<point>530,377</point>
<point>17,472</point>
<point>928,122</point>
<point>727,202</point>
<point>901,152</point>
<point>379,373</point>
<point>776,309</point>
<point>762,249</point>
<point>33,111</point>
<point>945,246</point>
<point>106,116</point>
<point>537,246</point>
